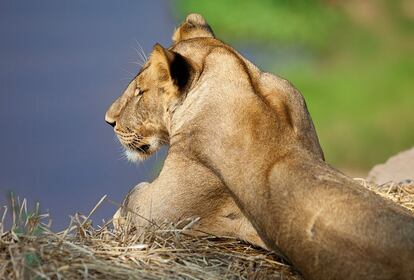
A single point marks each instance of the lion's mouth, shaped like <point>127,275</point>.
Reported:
<point>144,148</point>
<point>138,148</point>
<point>137,151</point>
<point>134,142</point>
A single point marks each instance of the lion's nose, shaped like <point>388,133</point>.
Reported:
<point>110,121</point>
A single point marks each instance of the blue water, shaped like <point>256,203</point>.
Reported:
<point>62,63</point>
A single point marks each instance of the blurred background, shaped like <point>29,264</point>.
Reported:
<point>62,64</point>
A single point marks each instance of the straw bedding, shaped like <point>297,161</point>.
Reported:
<point>83,251</point>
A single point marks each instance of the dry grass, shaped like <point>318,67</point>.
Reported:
<point>31,251</point>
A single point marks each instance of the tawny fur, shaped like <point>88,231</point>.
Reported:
<point>238,133</point>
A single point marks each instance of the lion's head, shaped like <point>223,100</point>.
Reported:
<point>141,115</point>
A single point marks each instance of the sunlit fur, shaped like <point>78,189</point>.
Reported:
<point>240,135</point>
<point>185,188</point>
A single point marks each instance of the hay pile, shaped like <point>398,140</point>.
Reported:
<point>31,251</point>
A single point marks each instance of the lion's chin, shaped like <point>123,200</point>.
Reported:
<point>135,156</point>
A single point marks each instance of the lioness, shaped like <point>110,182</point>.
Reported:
<point>234,129</point>
<point>142,119</point>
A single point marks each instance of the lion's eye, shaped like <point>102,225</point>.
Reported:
<point>137,92</point>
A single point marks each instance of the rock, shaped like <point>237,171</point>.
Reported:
<point>398,168</point>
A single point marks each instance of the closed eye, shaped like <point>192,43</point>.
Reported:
<point>138,91</point>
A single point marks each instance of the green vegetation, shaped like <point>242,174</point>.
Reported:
<point>303,21</point>
<point>353,62</point>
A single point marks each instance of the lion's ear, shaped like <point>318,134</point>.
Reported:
<point>170,67</point>
<point>194,26</point>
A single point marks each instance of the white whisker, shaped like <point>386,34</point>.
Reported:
<point>140,56</point>
<point>128,72</point>
<point>142,53</point>
<point>136,63</point>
